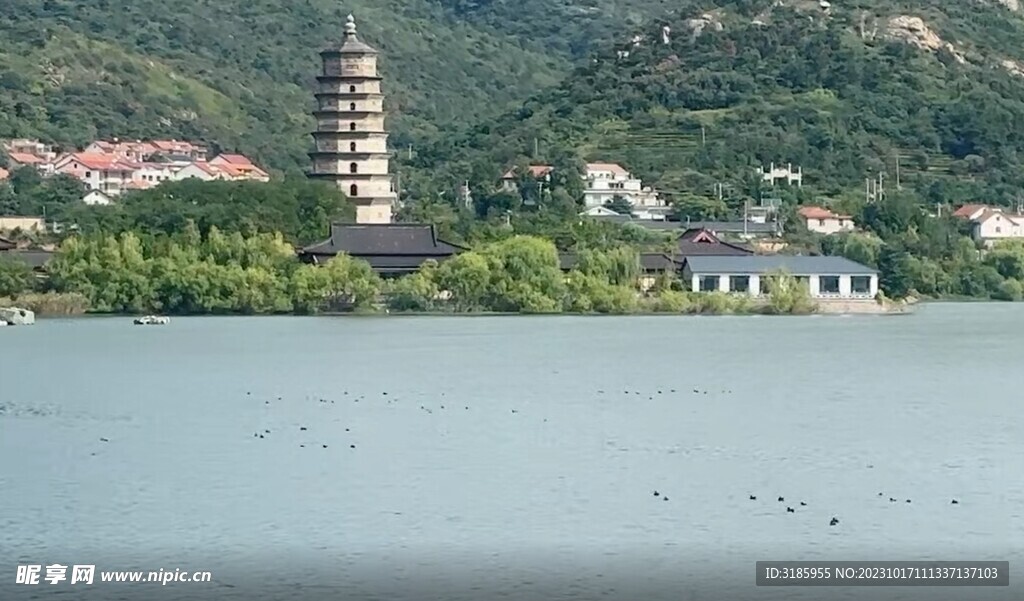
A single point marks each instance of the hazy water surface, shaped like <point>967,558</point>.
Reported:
<point>510,457</point>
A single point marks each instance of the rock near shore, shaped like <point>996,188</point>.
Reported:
<point>16,316</point>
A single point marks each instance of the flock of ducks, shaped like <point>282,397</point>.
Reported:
<point>834,521</point>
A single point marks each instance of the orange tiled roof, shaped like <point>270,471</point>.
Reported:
<point>819,213</point>
<point>234,159</point>
<point>25,158</point>
<point>4,174</point>
<point>535,171</point>
<point>613,167</point>
<point>968,209</point>
<point>102,162</point>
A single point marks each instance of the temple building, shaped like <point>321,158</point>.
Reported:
<point>392,250</point>
<point>351,142</point>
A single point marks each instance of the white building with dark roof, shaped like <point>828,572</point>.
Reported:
<point>825,277</point>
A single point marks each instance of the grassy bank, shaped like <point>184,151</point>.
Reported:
<point>49,303</point>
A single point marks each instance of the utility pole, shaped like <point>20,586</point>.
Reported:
<point>410,152</point>
<point>703,139</point>
<point>536,148</point>
<point>744,218</point>
<point>897,170</point>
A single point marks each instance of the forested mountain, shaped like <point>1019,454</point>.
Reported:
<point>240,73</point>
<point>845,90</point>
<point>839,89</point>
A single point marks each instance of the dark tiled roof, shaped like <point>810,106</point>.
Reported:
<point>659,262</point>
<point>760,264</point>
<point>648,262</point>
<point>389,239</point>
<point>733,227</point>
<point>699,242</point>
<point>651,224</point>
<point>35,259</point>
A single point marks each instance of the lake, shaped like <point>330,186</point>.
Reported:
<point>510,457</point>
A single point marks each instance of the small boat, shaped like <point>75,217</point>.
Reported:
<point>152,320</point>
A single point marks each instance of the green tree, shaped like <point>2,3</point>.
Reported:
<point>15,277</point>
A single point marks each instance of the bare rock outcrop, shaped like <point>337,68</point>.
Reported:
<point>913,30</point>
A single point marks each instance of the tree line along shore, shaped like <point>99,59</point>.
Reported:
<point>192,274</point>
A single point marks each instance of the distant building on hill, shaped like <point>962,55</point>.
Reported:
<point>992,225</point>
<point>350,139</point>
<point>150,150</point>
<point>824,221</point>
<point>775,173</point>
<point>603,182</point>
<point>24,146</point>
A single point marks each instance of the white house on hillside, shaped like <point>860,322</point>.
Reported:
<point>96,198</point>
<point>823,221</point>
<point>106,173</point>
<point>993,225</point>
<point>605,181</point>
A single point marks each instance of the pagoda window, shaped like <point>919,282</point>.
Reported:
<point>352,126</point>
<point>352,106</point>
<point>352,147</point>
<point>353,190</point>
<point>353,168</point>
<point>352,89</point>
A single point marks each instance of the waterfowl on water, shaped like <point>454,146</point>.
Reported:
<point>781,499</point>
<point>955,502</point>
<point>833,522</point>
<point>753,497</point>
<point>790,510</point>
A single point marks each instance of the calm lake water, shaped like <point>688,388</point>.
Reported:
<point>510,457</point>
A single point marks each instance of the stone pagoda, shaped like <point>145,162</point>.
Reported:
<point>351,142</point>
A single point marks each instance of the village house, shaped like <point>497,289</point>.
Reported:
<point>26,146</point>
<point>602,183</point>
<point>107,173</point>
<point>200,171</point>
<point>97,198</point>
<point>605,181</point>
<point>826,277</point>
<point>823,221</point>
<point>4,174</point>
<point>17,160</point>
<point>970,211</point>
<point>538,172</point>
<point>391,249</point>
<point>992,225</point>
<point>149,150</point>
<point>238,167</point>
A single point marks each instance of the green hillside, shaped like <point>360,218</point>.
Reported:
<point>842,93</point>
<point>240,74</point>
